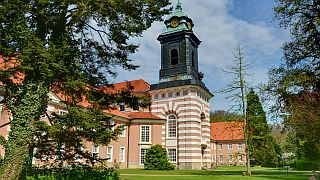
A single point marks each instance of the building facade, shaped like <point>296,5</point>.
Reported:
<point>178,118</point>
<point>227,143</point>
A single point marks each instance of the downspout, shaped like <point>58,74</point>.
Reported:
<point>128,143</point>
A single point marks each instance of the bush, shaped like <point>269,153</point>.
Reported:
<point>305,164</point>
<point>157,159</point>
<point>72,174</point>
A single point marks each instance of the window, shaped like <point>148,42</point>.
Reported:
<point>192,59</point>
<point>174,57</point>
<point>163,95</point>
<point>172,126</point>
<point>221,158</point>
<point>220,146</point>
<point>121,105</point>
<point>79,150</point>
<point>142,155</point>
<point>109,153</point>
<point>145,134</point>
<point>122,154</point>
<point>63,112</point>
<point>123,132</point>
<point>60,151</point>
<point>240,158</point>
<point>170,94</point>
<point>230,158</point>
<point>95,151</point>
<point>177,93</point>
<point>172,155</point>
<point>239,145</point>
<point>111,125</point>
<point>185,92</point>
<point>229,146</point>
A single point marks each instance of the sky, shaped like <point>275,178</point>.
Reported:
<point>220,25</point>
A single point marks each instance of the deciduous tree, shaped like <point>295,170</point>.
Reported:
<point>71,45</point>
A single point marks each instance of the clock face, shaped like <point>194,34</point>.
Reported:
<point>189,26</point>
<point>174,23</point>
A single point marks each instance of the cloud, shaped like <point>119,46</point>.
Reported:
<point>219,32</point>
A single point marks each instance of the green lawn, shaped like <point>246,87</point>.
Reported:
<point>219,173</point>
<point>230,177</point>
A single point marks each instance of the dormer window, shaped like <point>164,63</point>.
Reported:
<point>121,105</point>
<point>174,57</point>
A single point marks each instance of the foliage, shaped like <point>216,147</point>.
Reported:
<point>303,19</point>
<point>157,159</point>
<point>296,83</point>
<point>222,116</point>
<point>237,89</point>
<point>71,46</point>
<point>261,143</point>
<point>72,173</point>
<point>305,164</point>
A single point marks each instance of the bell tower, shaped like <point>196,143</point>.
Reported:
<point>179,48</point>
<point>180,96</point>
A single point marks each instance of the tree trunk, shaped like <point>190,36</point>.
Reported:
<point>31,105</point>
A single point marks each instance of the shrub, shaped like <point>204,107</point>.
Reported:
<point>157,159</point>
<point>305,164</point>
<point>72,174</point>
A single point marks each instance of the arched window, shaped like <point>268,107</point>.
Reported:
<point>172,126</point>
<point>174,57</point>
<point>192,59</point>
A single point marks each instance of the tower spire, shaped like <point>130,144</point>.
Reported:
<point>179,5</point>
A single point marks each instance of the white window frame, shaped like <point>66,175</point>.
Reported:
<point>168,128</point>
<point>123,132</point>
<point>229,146</point>
<point>220,146</point>
<point>145,142</point>
<point>95,152</point>
<point>110,154</point>
<point>111,123</point>
<point>240,158</point>
<point>230,157</point>
<point>78,157</point>
<point>141,156</point>
<point>62,150</point>
<point>175,155</point>
<point>62,112</point>
<point>239,145</point>
<point>123,159</point>
<point>221,159</point>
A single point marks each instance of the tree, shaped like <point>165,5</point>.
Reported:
<point>303,19</point>
<point>221,116</point>
<point>237,89</point>
<point>157,159</point>
<point>69,45</point>
<point>296,83</point>
<point>261,143</point>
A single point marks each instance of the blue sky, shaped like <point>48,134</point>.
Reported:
<point>220,25</point>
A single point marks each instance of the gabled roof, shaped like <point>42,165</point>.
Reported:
<point>143,115</point>
<point>227,131</point>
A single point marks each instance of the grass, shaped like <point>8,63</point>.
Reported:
<point>220,173</point>
<point>232,177</point>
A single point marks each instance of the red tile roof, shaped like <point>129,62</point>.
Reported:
<point>224,131</point>
<point>143,115</point>
<point>116,112</point>
<point>135,86</point>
